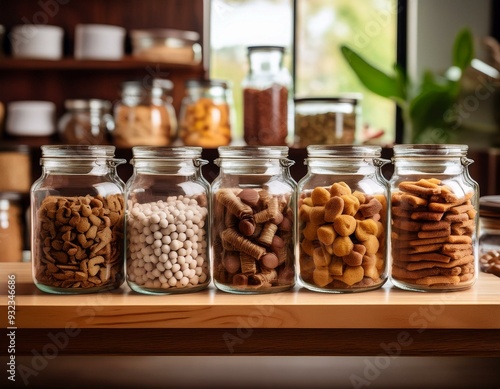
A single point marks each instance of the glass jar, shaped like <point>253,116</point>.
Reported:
<point>11,227</point>
<point>206,114</point>
<point>267,98</point>
<point>77,213</point>
<point>145,115</point>
<point>253,220</point>
<point>86,122</point>
<point>433,218</point>
<point>326,121</point>
<point>342,219</point>
<point>167,221</point>
<point>489,239</point>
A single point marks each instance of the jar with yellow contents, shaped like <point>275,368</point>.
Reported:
<point>205,117</point>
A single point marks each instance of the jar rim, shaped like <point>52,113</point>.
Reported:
<point>343,151</point>
<point>206,83</point>
<point>78,151</point>
<point>430,150</point>
<point>154,152</point>
<point>351,99</point>
<point>489,206</point>
<point>138,88</point>
<point>87,104</point>
<point>252,152</point>
<point>266,48</point>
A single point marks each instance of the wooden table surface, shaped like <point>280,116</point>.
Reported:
<point>387,321</point>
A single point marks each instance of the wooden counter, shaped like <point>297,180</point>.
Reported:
<point>387,321</point>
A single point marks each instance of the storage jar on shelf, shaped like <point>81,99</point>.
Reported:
<point>145,115</point>
<point>253,220</point>
<point>86,122</point>
<point>167,221</point>
<point>77,213</point>
<point>326,120</point>
<point>342,219</point>
<point>489,239</point>
<point>434,218</point>
<point>206,114</point>
<point>267,98</point>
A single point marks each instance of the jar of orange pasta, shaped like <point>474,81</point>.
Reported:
<point>205,117</point>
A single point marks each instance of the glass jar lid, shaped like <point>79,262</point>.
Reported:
<point>343,151</point>
<point>430,150</point>
<point>158,87</point>
<point>253,152</point>
<point>146,152</point>
<point>91,104</point>
<point>78,151</point>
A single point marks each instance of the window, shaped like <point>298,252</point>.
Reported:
<point>321,26</point>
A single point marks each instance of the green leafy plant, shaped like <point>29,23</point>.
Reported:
<point>428,107</point>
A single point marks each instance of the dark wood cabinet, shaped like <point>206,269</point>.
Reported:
<point>23,79</point>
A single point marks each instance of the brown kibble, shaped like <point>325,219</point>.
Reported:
<point>333,209</point>
<point>336,267</point>
<point>340,189</point>
<point>317,215</point>
<point>310,231</point>
<point>352,275</point>
<point>326,234</point>
<point>366,228</point>
<point>344,225</point>
<point>321,258</point>
<point>371,208</point>
<point>351,204</point>
<point>308,247</point>
<point>360,196</point>
<point>355,257</point>
<point>342,245</point>
<point>321,276</point>
<point>304,213</point>
<point>320,196</point>
<point>372,244</point>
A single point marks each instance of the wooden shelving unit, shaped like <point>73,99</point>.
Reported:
<point>297,322</point>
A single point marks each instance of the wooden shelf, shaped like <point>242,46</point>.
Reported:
<point>127,63</point>
<point>297,322</point>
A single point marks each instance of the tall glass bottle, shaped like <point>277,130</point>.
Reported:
<point>267,98</point>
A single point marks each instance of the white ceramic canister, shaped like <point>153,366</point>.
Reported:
<point>37,41</point>
<point>31,118</point>
<point>99,41</point>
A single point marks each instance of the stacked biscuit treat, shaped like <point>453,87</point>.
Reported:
<point>432,236</point>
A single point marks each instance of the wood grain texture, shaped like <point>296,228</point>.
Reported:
<point>298,322</point>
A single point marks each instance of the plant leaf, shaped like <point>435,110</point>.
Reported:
<point>429,109</point>
<point>463,49</point>
<point>371,77</point>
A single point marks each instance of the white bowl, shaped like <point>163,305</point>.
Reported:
<point>99,41</point>
<point>30,118</point>
<point>37,41</point>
